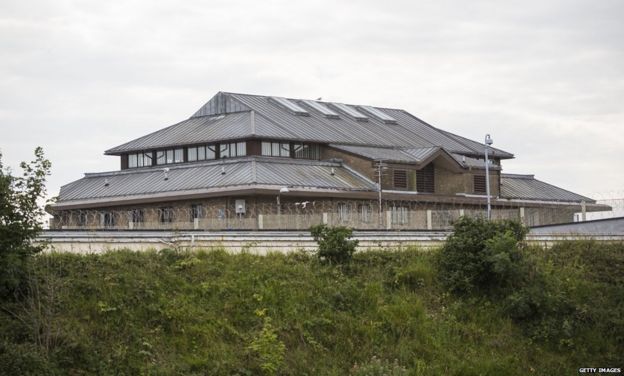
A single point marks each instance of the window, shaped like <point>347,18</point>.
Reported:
<point>306,151</point>
<point>137,216</point>
<point>399,178</point>
<point>233,149</point>
<point>139,160</point>
<point>344,212</point>
<point>178,156</point>
<point>201,153</point>
<point>169,156</point>
<point>479,184</point>
<point>197,211</point>
<point>365,212</point>
<point>276,149</point>
<point>132,160</point>
<point>160,157</point>
<point>400,215</point>
<point>166,215</point>
<point>425,179</point>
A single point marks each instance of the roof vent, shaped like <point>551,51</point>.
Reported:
<point>106,183</point>
<point>333,171</point>
<point>166,171</point>
<point>357,115</point>
<point>387,119</point>
<point>322,108</point>
<point>222,170</point>
<point>290,106</point>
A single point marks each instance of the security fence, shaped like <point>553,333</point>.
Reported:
<point>357,214</point>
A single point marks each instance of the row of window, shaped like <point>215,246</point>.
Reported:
<point>291,149</point>
<point>162,157</point>
<point>224,150</point>
<point>214,151</point>
<point>425,180</point>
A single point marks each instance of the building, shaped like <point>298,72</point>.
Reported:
<point>259,162</point>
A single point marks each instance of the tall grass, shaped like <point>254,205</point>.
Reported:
<point>215,313</point>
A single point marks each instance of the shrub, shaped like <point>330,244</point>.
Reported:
<point>482,255</point>
<point>334,245</point>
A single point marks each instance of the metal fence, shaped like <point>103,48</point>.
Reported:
<point>357,214</point>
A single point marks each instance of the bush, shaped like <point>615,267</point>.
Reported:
<point>334,245</point>
<point>482,255</point>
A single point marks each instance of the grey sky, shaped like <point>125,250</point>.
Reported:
<point>545,78</point>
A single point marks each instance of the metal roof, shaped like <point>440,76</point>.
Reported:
<point>259,116</point>
<point>409,155</point>
<point>192,131</point>
<point>215,174</point>
<point>514,186</point>
<point>606,226</point>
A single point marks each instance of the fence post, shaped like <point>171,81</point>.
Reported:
<point>260,222</point>
<point>325,218</point>
<point>522,215</point>
<point>429,220</point>
<point>195,223</point>
<point>388,220</point>
<point>130,225</point>
<point>461,212</point>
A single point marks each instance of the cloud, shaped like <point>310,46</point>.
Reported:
<point>546,78</point>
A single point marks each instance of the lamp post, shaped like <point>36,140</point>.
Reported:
<point>279,206</point>
<point>488,142</point>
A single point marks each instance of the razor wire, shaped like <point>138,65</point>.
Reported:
<point>301,215</point>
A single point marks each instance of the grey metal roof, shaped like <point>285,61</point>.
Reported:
<point>198,176</point>
<point>192,131</point>
<point>258,116</point>
<point>607,226</point>
<point>389,154</point>
<point>514,186</point>
<point>409,155</point>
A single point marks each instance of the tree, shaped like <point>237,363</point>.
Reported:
<point>21,216</point>
<point>334,243</point>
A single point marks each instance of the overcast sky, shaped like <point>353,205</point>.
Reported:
<point>545,78</point>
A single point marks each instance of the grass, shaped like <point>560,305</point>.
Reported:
<point>215,313</point>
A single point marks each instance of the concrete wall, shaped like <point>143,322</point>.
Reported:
<point>260,242</point>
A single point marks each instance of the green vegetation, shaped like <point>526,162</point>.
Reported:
<point>334,244</point>
<point>384,313</point>
<point>20,221</point>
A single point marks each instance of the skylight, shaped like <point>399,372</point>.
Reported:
<point>351,111</point>
<point>320,107</point>
<point>292,106</point>
<point>379,114</point>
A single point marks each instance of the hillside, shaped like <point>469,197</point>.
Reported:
<point>210,312</point>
